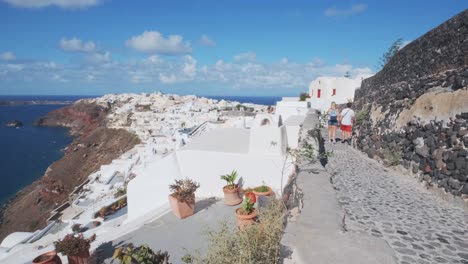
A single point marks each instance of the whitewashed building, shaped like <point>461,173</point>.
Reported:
<point>324,90</point>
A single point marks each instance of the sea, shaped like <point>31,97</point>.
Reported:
<point>26,152</point>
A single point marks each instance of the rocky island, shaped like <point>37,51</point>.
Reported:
<point>14,124</point>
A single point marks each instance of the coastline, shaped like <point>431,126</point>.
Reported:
<point>30,207</point>
<point>95,143</point>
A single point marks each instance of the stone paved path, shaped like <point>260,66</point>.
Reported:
<point>419,226</point>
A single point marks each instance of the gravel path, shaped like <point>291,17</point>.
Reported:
<point>419,226</point>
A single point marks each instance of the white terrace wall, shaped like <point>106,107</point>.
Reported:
<point>206,167</point>
<point>287,107</point>
<point>149,192</point>
<point>268,140</point>
<point>150,189</point>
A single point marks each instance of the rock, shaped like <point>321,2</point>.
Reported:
<point>462,132</point>
<point>464,190</point>
<point>462,153</point>
<point>14,124</point>
<point>440,164</point>
<point>460,163</point>
<point>422,151</point>
<point>450,165</point>
<point>419,142</point>
<point>454,184</point>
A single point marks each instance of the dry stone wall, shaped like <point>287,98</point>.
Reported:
<point>414,112</point>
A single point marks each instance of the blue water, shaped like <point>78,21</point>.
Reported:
<point>26,152</point>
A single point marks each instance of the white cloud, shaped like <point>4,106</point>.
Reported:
<point>247,56</point>
<point>155,59</point>
<point>155,42</point>
<point>7,56</point>
<point>190,66</point>
<point>353,10</point>
<point>59,3</point>
<point>98,58</point>
<point>284,76</point>
<point>284,60</point>
<point>58,78</point>
<point>167,78</point>
<point>77,45</point>
<point>206,41</point>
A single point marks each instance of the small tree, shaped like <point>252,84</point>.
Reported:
<point>303,96</point>
<point>347,75</point>
<point>387,56</point>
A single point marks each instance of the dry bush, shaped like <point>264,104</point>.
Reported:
<point>255,244</point>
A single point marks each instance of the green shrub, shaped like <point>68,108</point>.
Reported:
<point>392,157</point>
<point>258,243</point>
<point>361,116</point>
<point>120,192</point>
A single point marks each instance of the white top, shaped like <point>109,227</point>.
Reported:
<point>347,115</point>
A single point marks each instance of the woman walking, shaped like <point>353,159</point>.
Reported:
<point>332,122</point>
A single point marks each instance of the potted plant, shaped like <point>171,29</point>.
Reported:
<point>248,192</point>
<point>246,214</point>
<point>113,208</point>
<point>75,247</point>
<point>103,212</point>
<point>262,190</point>
<point>122,202</point>
<point>47,258</point>
<point>142,254</point>
<point>231,190</point>
<point>182,198</point>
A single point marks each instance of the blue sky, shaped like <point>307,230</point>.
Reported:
<point>205,47</point>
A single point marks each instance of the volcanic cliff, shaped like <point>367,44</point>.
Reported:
<point>414,112</point>
<point>93,146</point>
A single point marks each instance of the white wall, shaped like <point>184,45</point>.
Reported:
<point>150,189</point>
<point>206,167</point>
<point>267,140</point>
<point>292,132</point>
<point>286,108</point>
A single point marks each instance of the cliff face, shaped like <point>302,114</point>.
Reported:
<point>93,146</point>
<point>414,112</point>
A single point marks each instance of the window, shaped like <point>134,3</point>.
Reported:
<point>318,93</point>
<point>334,92</point>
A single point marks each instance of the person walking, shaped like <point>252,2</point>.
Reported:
<point>346,123</point>
<point>332,122</point>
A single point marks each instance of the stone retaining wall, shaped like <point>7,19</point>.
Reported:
<point>414,112</point>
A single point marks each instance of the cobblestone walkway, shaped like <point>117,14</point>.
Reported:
<point>419,226</point>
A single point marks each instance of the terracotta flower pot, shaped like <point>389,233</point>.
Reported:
<point>47,258</point>
<point>231,196</point>
<point>244,220</point>
<point>263,198</point>
<point>267,193</point>
<point>79,259</point>
<point>181,210</point>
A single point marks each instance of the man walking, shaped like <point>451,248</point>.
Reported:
<point>347,120</point>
